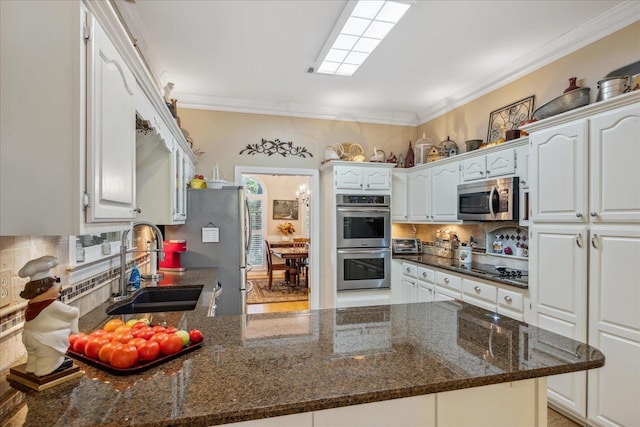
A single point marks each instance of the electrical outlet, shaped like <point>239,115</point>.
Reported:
<point>6,294</point>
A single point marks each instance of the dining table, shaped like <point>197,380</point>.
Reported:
<point>297,255</point>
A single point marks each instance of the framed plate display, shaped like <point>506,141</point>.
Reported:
<point>509,117</point>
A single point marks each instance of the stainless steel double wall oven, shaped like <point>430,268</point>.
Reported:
<point>364,241</point>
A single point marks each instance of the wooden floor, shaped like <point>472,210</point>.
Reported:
<point>555,419</point>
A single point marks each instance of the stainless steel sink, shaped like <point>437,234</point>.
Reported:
<point>158,298</point>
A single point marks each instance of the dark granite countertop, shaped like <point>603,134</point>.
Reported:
<point>484,271</point>
<point>263,365</point>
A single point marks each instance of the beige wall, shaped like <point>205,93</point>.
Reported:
<point>589,64</point>
<point>221,135</point>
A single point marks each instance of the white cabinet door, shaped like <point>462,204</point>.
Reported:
<point>614,144</point>
<point>376,179</point>
<point>426,292</point>
<point>420,195</point>
<point>399,192</point>
<point>474,168</point>
<point>501,163</point>
<point>409,290</point>
<point>614,325</point>
<point>559,174</point>
<point>111,131</point>
<point>348,177</point>
<point>444,192</point>
<point>558,275</point>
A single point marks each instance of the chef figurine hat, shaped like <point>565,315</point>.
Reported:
<point>38,271</point>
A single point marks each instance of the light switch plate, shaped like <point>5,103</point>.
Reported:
<point>6,292</point>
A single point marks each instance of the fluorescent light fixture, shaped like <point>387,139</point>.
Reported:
<point>361,27</point>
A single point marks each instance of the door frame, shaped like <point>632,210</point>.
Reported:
<point>314,220</point>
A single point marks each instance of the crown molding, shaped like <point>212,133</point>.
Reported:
<point>283,108</point>
<point>608,23</point>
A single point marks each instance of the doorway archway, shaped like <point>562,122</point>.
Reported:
<point>314,220</point>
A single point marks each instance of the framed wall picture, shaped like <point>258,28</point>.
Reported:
<point>285,209</point>
<point>509,117</point>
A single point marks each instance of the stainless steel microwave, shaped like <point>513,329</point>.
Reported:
<point>492,200</point>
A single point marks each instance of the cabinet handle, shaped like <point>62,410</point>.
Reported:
<point>446,280</point>
<point>594,214</point>
<point>481,172</point>
<point>578,215</point>
<point>523,182</point>
<point>408,270</point>
<point>477,289</point>
<point>138,210</point>
<point>508,299</point>
<point>368,186</point>
<point>594,238</point>
<point>424,274</point>
<point>579,240</point>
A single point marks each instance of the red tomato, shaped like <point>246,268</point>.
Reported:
<point>98,333</point>
<point>109,336</point>
<point>123,337</point>
<point>79,343</point>
<point>158,328</point>
<point>144,333</point>
<point>148,351</point>
<point>159,337</point>
<point>105,351</point>
<point>137,342</point>
<point>124,356</point>
<point>73,337</point>
<point>171,329</point>
<point>139,325</point>
<point>195,336</point>
<point>171,345</point>
<point>92,349</point>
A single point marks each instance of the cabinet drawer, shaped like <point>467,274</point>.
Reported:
<point>409,269</point>
<point>448,280</point>
<point>478,290</point>
<point>426,274</point>
<point>510,299</point>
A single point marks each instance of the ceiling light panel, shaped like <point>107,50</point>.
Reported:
<point>368,23</point>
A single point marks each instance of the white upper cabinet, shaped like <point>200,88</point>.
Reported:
<point>369,178</point>
<point>419,206</point>
<point>111,178</point>
<point>559,173</point>
<point>491,165</point>
<point>444,192</point>
<point>399,195</point>
<point>68,123</point>
<point>614,154</point>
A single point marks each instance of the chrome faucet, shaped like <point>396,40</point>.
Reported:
<point>124,250</point>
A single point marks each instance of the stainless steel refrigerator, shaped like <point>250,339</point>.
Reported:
<point>224,209</point>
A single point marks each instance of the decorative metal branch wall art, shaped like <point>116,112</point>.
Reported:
<point>276,147</point>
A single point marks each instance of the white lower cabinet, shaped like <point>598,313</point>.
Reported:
<point>448,286</point>
<point>479,294</point>
<point>519,403</point>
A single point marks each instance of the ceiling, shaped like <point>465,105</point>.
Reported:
<point>253,56</point>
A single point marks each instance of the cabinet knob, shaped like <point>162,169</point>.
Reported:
<point>138,210</point>
<point>594,214</point>
<point>507,298</point>
<point>446,280</point>
<point>481,172</point>
<point>477,289</point>
<point>578,215</point>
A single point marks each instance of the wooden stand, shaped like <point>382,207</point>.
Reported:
<point>19,375</point>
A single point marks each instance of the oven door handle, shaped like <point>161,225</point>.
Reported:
<point>366,210</point>
<point>364,251</point>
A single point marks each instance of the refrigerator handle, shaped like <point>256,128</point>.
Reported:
<point>247,225</point>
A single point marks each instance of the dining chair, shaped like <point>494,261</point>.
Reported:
<point>301,242</point>
<point>279,266</point>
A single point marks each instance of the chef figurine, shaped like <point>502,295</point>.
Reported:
<point>49,322</point>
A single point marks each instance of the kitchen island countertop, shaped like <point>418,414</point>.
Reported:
<point>264,365</point>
